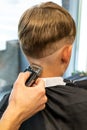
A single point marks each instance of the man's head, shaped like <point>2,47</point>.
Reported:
<point>45,29</point>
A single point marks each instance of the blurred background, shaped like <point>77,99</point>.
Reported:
<point>12,60</point>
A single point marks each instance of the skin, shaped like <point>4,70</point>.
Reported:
<point>23,102</point>
<point>23,107</point>
<point>55,64</point>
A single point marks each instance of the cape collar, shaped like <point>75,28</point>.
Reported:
<point>53,81</point>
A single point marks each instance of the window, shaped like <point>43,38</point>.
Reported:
<point>73,8</point>
<point>82,37</point>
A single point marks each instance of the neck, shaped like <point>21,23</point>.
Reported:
<point>52,65</point>
<point>49,71</point>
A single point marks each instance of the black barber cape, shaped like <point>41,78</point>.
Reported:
<point>66,109</point>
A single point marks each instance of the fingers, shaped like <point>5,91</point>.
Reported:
<point>43,103</point>
<point>22,77</point>
<point>40,82</point>
<point>41,87</point>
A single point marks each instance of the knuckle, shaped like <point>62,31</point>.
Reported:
<point>21,74</point>
<point>16,84</point>
<point>46,99</point>
<point>42,91</point>
<point>43,106</point>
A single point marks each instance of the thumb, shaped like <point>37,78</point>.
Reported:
<point>40,83</point>
<point>23,76</point>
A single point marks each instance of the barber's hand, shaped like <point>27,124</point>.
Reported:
<point>27,100</point>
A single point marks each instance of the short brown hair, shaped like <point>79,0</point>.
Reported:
<point>41,26</point>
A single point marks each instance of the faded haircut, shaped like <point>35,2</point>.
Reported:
<point>41,26</point>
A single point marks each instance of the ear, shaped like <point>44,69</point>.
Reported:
<point>66,53</point>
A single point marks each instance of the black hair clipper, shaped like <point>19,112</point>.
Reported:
<point>35,71</point>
